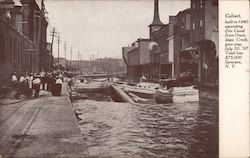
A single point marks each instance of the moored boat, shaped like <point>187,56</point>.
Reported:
<point>140,91</point>
<point>163,96</point>
<point>177,95</point>
<point>185,94</point>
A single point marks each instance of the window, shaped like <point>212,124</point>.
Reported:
<point>2,48</point>
<point>201,23</point>
<point>193,26</point>
<point>201,4</point>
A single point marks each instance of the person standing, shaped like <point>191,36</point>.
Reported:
<point>20,87</point>
<point>14,81</point>
<point>42,76</point>
<point>36,84</point>
<point>59,83</point>
<point>22,84</point>
<point>50,82</point>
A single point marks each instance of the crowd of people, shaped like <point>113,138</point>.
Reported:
<point>31,84</point>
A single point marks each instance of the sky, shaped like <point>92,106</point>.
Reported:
<point>103,27</point>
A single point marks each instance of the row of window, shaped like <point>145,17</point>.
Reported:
<point>11,52</point>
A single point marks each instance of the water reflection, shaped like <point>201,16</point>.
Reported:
<point>114,129</point>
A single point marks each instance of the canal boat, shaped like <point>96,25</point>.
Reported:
<point>163,96</point>
<point>177,95</point>
<point>185,94</point>
<point>142,92</point>
<point>91,87</point>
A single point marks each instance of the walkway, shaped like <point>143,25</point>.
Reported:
<point>43,127</point>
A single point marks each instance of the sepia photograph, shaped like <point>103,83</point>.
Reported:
<point>109,78</point>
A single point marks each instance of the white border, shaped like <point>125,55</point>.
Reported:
<point>234,91</point>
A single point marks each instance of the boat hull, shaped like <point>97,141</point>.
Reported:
<point>161,97</point>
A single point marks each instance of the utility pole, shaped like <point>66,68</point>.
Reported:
<point>65,49</point>
<point>70,56</point>
<point>97,62</point>
<point>78,59</point>
<point>52,42</point>
<point>58,49</point>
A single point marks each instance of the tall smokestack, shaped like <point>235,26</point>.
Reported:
<point>156,20</point>
<point>156,24</point>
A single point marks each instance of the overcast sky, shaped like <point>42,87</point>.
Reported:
<point>104,26</point>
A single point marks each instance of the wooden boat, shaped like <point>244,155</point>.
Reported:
<point>177,95</point>
<point>163,96</point>
<point>91,87</point>
<point>139,91</point>
<point>185,94</point>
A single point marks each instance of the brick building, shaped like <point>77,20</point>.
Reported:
<point>162,54</point>
<point>188,43</point>
<point>19,35</point>
<point>137,58</point>
<point>204,37</point>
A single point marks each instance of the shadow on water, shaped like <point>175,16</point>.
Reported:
<point>206,132</point>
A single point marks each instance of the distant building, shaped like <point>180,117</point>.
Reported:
<point>100,65</point>
<point>60,63</point>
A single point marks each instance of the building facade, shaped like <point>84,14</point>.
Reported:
<point>162,54</point>
<point>22,36</point>
<point>188,44</point>
<point>204,37</point>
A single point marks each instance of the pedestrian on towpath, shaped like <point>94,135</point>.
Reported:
<point>57,87</point>
<point>20,87</point>
<point>14,81</point>
<point>59,82</point>
<point>36,85</point>
<point>42,77</point>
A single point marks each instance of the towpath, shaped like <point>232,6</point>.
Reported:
<point>42,127</point>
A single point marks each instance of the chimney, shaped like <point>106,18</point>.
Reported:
<point>156,24</point>
<point>156,20</point>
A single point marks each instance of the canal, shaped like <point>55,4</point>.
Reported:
<point>118,129</point>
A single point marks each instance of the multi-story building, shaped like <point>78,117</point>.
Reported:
<point>186,57</point>
<point>15,48</point>
<point>19,34</point>
<point>137,59</point>
<point>188,43</point>
<point>162,54</point>
<point>35,27</point>
<point>204,37</point>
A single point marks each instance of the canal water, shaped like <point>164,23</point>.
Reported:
<point>116,129</point>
